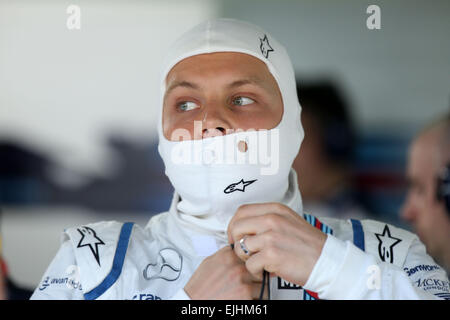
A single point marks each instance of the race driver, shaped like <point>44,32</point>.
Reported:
<point>229,131</point>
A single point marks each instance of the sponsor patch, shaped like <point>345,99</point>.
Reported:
<point>422,267</point>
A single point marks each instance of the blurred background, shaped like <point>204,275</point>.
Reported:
<point>78,107</point>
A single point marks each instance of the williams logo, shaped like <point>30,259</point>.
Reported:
<point>167,266</point>
<point>240,186</point>
<point>386,245</point>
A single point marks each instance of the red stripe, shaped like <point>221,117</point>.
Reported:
<point>313,294</point>
<point>318,224</point>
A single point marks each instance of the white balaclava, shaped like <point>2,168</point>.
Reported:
<point>212,190</point>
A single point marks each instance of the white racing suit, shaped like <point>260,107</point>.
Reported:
<point>111,260</point>
<point>360,260</point>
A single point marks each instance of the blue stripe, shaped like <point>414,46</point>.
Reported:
<point>119,258</point>
<point>358,234</point>
<point>305,295</point>
<point>445,296</point>
<point>312,221</point>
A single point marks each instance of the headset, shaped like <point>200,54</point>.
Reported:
<point>443,187</point>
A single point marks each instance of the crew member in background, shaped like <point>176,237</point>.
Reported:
<point>427,206</point>
<point>324,163</point>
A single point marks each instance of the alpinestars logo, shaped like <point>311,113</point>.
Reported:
<point>265,46</point>
<point>240,186</point>
<point>386,245</point>
<point>89,239</point>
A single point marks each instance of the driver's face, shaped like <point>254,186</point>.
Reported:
<point>225,91</point>
<point>421,207</point>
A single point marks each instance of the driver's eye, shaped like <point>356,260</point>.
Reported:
<point>242,101</point>
<point>186,106</point>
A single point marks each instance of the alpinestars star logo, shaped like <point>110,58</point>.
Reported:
<point>386,245</point>
<point>240,186</point>
<point>265,46</point>
<point>89,239</point>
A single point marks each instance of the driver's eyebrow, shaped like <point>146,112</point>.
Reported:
<point>237,83</point>
<point>183,83</point>
<point>250,80</point>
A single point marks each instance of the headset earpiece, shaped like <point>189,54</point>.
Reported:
<point>443,187</point>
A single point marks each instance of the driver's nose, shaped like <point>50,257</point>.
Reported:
<point>213,132</point>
